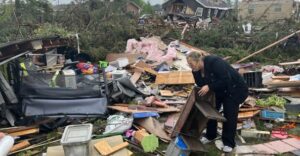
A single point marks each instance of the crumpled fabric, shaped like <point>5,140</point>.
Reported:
<point>272,68</point>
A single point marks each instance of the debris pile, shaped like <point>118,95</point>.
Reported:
<point>148,98</point>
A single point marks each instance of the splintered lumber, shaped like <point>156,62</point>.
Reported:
<point>174,78</point>
<point>25,132</point>
<point>105,149</point>
<point>269,46</point>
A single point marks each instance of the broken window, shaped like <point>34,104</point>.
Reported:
<point>199,11</point>
<point>277,7</point>
<point>251,9</point>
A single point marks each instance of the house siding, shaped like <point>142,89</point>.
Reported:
<point>132,9</point>
<point>265,10</point>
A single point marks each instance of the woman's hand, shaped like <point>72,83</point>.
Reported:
<point>203,91</point>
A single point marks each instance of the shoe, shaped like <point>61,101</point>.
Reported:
<point>227,149</point>
<point>219,144</point>
<point>204,140</point>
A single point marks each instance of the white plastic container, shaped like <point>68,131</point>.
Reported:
<point>76,140</point>
<point>6,143</point>
<point>70,78</point>
<point>119,74</point>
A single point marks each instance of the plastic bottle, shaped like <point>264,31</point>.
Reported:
<point>6,143</point>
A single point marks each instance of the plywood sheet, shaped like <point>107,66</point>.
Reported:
<point>125,109</point>
<point>176,77</point>
<point>209,112</point>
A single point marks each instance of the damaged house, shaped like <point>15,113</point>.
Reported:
<point>265,10</point>
<point>201,8</point>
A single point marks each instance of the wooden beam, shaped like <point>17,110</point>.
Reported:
<point>269,46</point>
<point>24,132</point>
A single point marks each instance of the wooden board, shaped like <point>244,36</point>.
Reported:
<point>284,84</point>
<point>248,114</point>
<point>248,109</point>
<point>141,65</point>
<point>113,141</point>
<point>125,109</point>
<point>154,127</point>
<point>176,77</point>
<point>25,132</point>
<point>106,149</point>
<point>209,112</point>
<point>292,92</point>
<point>166,93</point>
<point>282,77</point>
<point>184,113</point>
<point>135,77</point>
<point>290,63</point>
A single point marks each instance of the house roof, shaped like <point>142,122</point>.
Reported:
<point>213,4</point>
<point>131,2</point>
<point>220,4</point>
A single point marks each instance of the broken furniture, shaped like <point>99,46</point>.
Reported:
<point>197,110</point>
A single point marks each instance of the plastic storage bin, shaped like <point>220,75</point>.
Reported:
<point>76,139</point>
